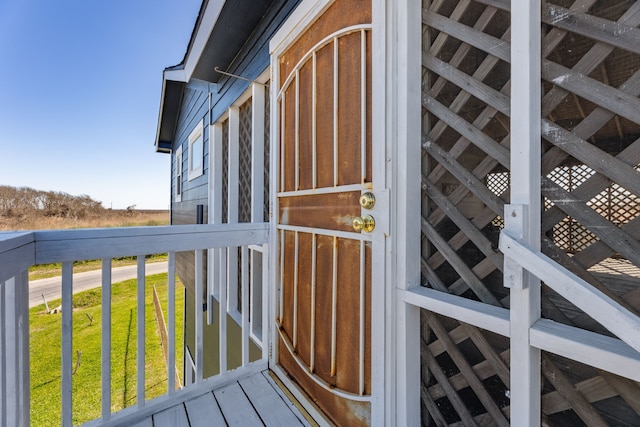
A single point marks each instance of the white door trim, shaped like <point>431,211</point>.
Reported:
<point>304,15</point>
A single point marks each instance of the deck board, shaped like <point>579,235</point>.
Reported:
<point>144,423</point>
<point>236,407</point>
<point>204,411</point>
<point>171,417</point>
<point>255,400</point>
<point>270,406</point>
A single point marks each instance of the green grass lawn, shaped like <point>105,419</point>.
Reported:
<point>45,351</point>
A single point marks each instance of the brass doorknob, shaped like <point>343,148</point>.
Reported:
<point>364,223</point>
<point>368,200</point>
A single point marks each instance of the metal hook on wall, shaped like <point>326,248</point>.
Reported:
<point>218,70</point>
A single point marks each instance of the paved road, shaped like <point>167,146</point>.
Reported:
<point>51,287</point>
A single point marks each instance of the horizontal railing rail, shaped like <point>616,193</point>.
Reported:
<point>602,308</point>
<point>238,283</point>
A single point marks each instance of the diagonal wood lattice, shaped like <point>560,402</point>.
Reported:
<point>244,184</point>
<point>267,150</point>
<point>590,181</point>
<point>225,171</point>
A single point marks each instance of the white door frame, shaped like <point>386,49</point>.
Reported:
<point>383,309</point>
<point>403,117</point>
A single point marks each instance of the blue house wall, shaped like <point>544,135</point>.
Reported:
<point>250,62</point>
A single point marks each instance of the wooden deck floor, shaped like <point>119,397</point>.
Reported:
<point>252,401</point>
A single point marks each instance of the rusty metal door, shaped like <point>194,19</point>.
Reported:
<point>325,210</point>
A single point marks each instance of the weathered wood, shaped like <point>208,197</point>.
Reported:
<point>462,51</point>
<point>611,167</point>
<point>592,186</point>
<point>236,407</point>
<point>615,34</point>
<point>627,389</point>
<point>469,131</point>
<point>481,270</point>
<point>172,417</point>
<point>204,410</point>
<point>466,178</point>
<point>599,250</point>
<point>465,226</point>
<point>432,277</point>
<point>458,334</point>
<point>470,84</point>
<point>432,407</point>
<point>602,308</point>
<point>593,390</point>
<point>591,89</point>
<point>480,221</point>
<point>442,379</point>
<point>466,370</point>
<point>146,422</point>
<point>496,362</point>
<point>613,236</point>
<point>587,348</point>
<point>578,403</point>
<point>551,250</point>
<point>461,99</point>
<point>478,39</point>
<point>272,409</point>
<point>459,265</point>
<point>441,38</point>
<point>484,167</point>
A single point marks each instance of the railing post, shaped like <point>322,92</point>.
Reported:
<point>14,351</point>
<point>522,217</point>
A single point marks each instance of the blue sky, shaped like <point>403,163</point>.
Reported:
<point>80,84</point>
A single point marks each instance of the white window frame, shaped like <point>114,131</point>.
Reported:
<point>197,134</point>
<point>178,176</point>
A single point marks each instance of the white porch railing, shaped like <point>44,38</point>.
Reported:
<point>19,251</point>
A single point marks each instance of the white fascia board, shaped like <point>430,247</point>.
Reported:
<point>208,22</point>
<point>174,76</point>
<point>164,86</point>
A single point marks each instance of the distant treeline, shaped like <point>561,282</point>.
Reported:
<point>24,201</point>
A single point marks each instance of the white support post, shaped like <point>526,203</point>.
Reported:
<point>141,324</point>
<point>222,312</point>
<point>171,338</point>
<point>14,351</point>
<point>233,198</point>
<point>67,342</point>
<point>215,216</point>
<point>244,259</point>
<point>106,339</point>
<point>257,202</point>
<point>4,346</point>
<point>257,152</point>
<point>405,29</point>
<point>199,333</point>
<point>522,217</point>
<point>265,303</point>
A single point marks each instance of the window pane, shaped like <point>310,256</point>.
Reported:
<point>195,161</point>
